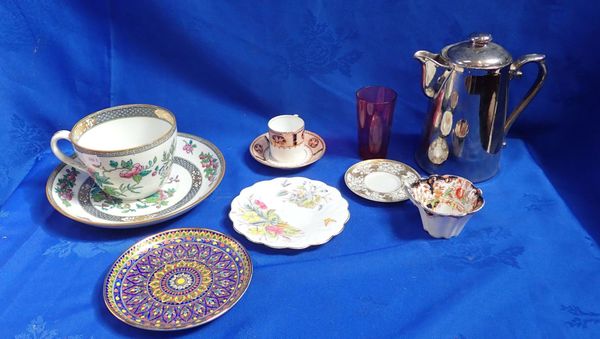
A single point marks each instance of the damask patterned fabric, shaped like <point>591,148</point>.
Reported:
<point>527,265</point>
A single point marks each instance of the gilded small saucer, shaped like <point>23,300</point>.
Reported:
<point>314,148</point>
<point>380,180</point>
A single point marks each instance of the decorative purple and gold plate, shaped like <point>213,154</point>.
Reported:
<point>177,279</point>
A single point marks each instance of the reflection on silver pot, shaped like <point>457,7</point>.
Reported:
<point>468,86</point>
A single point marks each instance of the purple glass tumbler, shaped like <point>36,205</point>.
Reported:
<point>375,109</point>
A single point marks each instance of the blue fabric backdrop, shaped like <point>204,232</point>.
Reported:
<point>526,266</point>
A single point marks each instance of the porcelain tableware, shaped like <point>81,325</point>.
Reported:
<point>375,110</point>
<point>177,279</point>
<point>466,124</point>
<point>380,180</point>
<point>446,203</point>
<point>198,168</point>
<point>289,213</point>
<point>286,138</point>
<point>313,149</point>
<point>127,150</point>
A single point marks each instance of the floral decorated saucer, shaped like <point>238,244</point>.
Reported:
<point>380,180</point>
<point>177,279</point>
<point>289,213</point>
<point>314,148</point>
<point>198,167</point>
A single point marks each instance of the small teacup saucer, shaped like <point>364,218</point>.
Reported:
<point>380,180</point>
<point>314,148</point>
<point>198,167</point>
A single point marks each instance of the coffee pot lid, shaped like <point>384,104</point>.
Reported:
<point>477,52</point>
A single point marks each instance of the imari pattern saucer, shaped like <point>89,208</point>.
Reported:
<point>314,148</point>
<point>177,279</point>
<point>380,180</point>
<point>289,213</point>
<point>198,168</point>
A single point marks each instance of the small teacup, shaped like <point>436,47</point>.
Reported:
<point>445,202</point>
<point>286,138</point>
<point>127,150</point>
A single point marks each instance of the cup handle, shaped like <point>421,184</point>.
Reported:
<point>60,155</point>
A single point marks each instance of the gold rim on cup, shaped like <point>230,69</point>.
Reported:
<point>97,118</point>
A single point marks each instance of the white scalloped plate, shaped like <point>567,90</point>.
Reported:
<point>289,213</point>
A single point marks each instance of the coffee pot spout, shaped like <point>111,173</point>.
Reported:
<point>432,65</point>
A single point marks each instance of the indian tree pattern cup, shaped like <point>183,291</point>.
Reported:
<point>127,150</point>
<point>286,138</point>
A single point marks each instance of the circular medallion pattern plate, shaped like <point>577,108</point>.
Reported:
<point>380,180</point>
<point>177,279</point>
<point>198,168</point>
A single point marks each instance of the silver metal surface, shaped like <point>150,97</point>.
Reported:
<point>515,71</point>
<point>467,120</point>
<point>477,52</point>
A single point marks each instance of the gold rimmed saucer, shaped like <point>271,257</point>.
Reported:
<point>380,180</point>
<point>314,148</point>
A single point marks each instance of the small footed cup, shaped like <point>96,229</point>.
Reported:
<point>445,202</point>
<point>286,138</point>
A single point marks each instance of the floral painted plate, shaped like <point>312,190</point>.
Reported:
<point>177,279</point>
<point>198,168</point>
<point>289,213</point>
<point>314,148</point>
<point>380,180</point>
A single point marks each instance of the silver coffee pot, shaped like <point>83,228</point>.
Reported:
<point>467,122</point>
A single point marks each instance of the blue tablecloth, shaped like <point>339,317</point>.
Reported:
<point>524,267</point>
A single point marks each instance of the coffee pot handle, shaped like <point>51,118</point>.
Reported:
<point>60,155</point>
<point>515,71</point>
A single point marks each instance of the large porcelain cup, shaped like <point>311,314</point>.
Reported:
<point>127,150</point>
